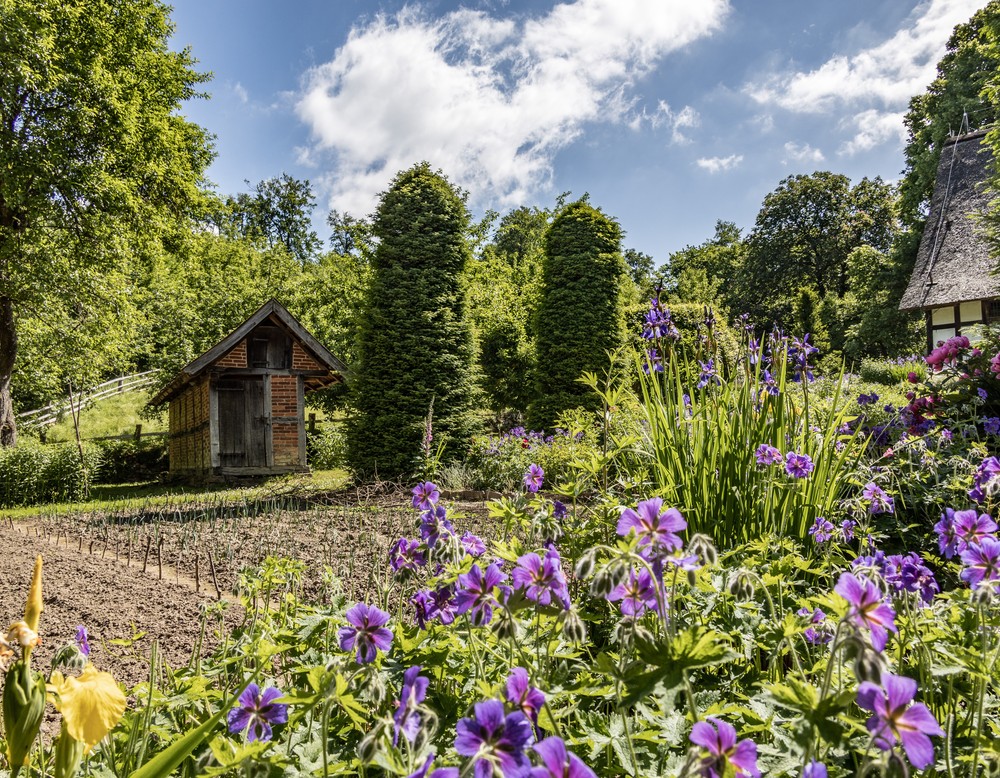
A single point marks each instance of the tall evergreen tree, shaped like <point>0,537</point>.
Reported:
<point>415,344</point>
<point>580,312</point>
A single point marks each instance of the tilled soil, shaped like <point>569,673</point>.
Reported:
<point>114,603</point>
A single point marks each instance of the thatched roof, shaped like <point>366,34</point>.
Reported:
<point>954,262</point>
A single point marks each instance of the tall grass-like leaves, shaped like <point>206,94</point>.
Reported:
<point>701,445</point>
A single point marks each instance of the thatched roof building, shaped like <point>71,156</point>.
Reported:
<point>952,278</point>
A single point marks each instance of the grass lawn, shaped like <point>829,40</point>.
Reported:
<point>108,417</point>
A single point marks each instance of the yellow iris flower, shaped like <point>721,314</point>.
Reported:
<point>91,705</point>
<point>33,608</point>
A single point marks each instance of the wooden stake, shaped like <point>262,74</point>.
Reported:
<point>145,558</point>
<point>215,578</point>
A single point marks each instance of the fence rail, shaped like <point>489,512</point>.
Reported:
<point>43,417</point>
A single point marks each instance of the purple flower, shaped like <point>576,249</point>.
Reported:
<point>878,500</point>
<point>898,719</point>
<point>947,539</point>
<point>541,579</point>
<point>407,718</point>
<point>475,593</point>
<point>982,563</point>
<point>557,762</point>
<point>982,393</point>
<point>984,478</point>
<point>867,609</point>
<point>473,544</point>
<point>558,510</point>
<point>82,641</point>
<point>723,750</point>
<point>798,465</point>
<point>533,478</point>
<point>441,772</point>
<point>653,528</point>
<point>637,593</point>
<point>991,425</point>
<point>767,455</point>
<point>406,556</point>
<point>847,530</point>
<point>256,711</point>
<point>867,399</point>
<point>820,636</point>
<point>494,739</point>
<point>434,524</point>
<point>814,770</point>
<point>522,695</point>
<point>366,632</point>
<point>908,573</point>
<point>708,375</point>
<point>972,529</point>
<point>434,604</point>
<point>821,530</point>
<point>425,496</point>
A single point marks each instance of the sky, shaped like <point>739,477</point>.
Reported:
<point>671,114</point>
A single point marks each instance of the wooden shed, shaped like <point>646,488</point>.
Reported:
<point>953,281</point>
<point>239,408</point>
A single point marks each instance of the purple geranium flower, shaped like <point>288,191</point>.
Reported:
<point>541,579</point>
<point>441,772</point>
<point>366,633</point>
<point>878,500</point>
<point>767,455</point>
<point>971,529</point>
<point>407,718</point>
<point>533,478</point>
<point>815,770</point>
<point>718,738</point>
<point>867,609</point>
<point>433,524</point>
<point>991,425</point>
<point>982,563</point>
<point>898,719</point>
<point>847,530</point>
<point>82,641</point>
<point>798,465</point>
<point>557,762</point>
<point>475,593</point>
<point>522,695</point>
<point>637,593</point>
<point>495,739</point>
<point>653,528</point>
<point>820,636</point>
<point>821,530</point>
<point>558,509</point>
<point>947,539</point>
<point>406,556</point>
<point>985,478</point>
<point>256,711</point>
<point>425,496</point>
<point>473,544</point>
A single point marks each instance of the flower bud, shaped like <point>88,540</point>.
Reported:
<point>741,586</point>
<point>573,628</point>
<point>504,625</point>
<point>67,755</point>
<point>896,766</point>
<point>585,564</point>
<point>869,666</point>
<point>602,584</point>
<point>23,709</point>
<point>982,597</point>
<point>69,657</point>
<point>702,547</point>
<point>428,729</point>
<point>368,747</point>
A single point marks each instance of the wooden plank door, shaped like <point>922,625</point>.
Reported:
<point>244,422</point>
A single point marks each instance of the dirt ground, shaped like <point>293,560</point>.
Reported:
<point>113,602</point>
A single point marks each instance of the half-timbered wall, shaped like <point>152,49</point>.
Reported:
<point>189,430</point>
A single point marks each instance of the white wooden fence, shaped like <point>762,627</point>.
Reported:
<point>50,414</point>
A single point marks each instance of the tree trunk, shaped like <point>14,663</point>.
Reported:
<point>8,353</point>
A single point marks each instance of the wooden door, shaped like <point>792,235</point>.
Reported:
<point>244,419</point>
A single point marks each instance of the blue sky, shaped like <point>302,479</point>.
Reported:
<point>672,114</point>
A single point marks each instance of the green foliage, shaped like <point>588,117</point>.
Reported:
<point>31,474</point>
<point>892,372</point>
<point>129,461</point>
<point>96,159</point>
<point>970,64</point>
<point>499,462</point>
<point>415,342</point>
<point>326,448</point>
<point>704,273</point>
<point>580,314</point>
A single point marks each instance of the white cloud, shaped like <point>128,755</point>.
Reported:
<point>241,93</point>
<point>872,87</point>
<point>802,153</point>
<point>719,164</point>
<point>488,100</point>
<point>665,116</point>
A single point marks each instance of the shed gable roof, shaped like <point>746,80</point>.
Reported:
<point>273,310</point>
<point>954,263</point>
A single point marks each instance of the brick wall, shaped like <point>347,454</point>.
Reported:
<point>301,360</point>
<point>237,356</point>
<point>285,434</point>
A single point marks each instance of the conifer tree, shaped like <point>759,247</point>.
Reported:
<point>415,344</point>
<point>580,312</point>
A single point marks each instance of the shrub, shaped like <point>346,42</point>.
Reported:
<point>500,461</point>
<point>326,448</point>
<point>891,372</point>
<point>31,474</point>
<point>127,461</point>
